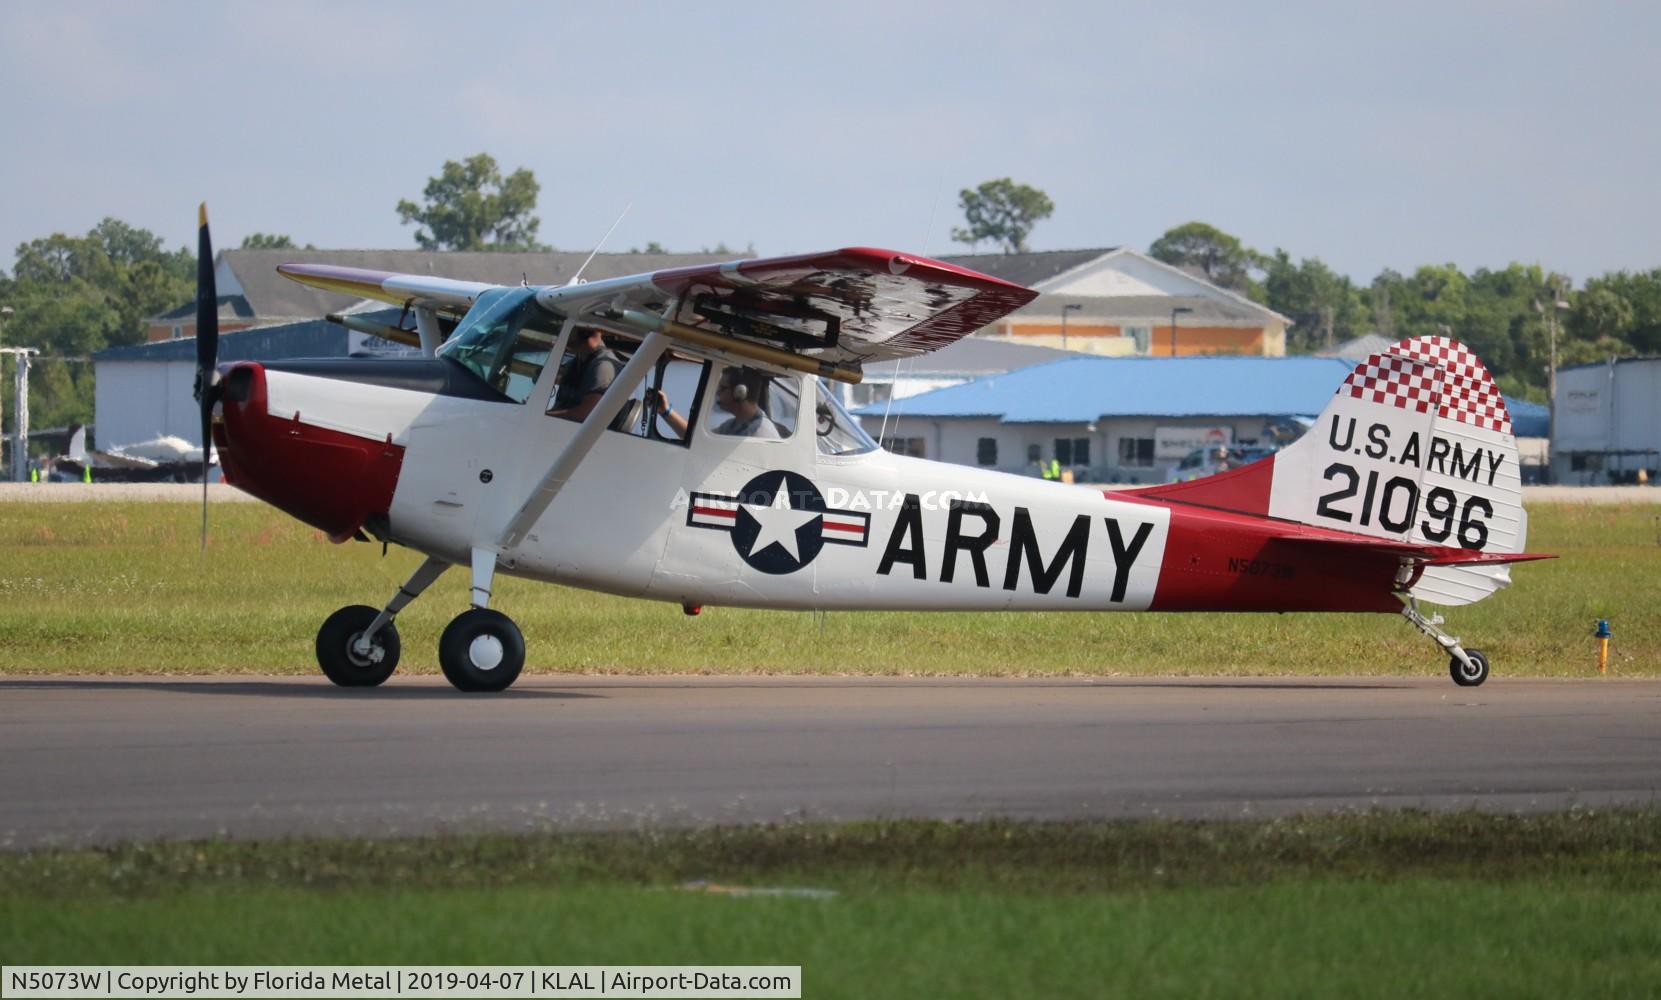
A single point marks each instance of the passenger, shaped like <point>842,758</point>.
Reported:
<point>740,394</point>
<point>595,369</point>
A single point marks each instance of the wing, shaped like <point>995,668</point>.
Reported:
<point>829,313</point>
<point>443,294</point>
<point>839,308</point>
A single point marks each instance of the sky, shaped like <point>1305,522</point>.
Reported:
<point>1368,135</point>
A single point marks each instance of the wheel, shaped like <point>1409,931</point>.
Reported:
<point>1466,677</point>
<point>343,665</point>
<point>481,650</point>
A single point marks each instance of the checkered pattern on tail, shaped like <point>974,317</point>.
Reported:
<point>1407,376</point>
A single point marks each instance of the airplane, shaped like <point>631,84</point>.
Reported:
<point>712,465</point>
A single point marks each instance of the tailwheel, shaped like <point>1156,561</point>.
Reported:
<point>1468,667</point>
<point>481,650</point>
<point>1472,674</point>
<point>345,659</point>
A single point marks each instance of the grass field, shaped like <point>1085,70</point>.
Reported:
<point>1397,904</point>
<point>119,588</point>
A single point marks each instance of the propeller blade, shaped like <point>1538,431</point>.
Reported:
<point>207,348</point>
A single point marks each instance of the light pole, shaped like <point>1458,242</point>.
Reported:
<point>1069,307</point>
<point>1557,305</point>
<point>6,314</point>
<point>1174,312</point>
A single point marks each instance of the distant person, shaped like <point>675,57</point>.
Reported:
<point>741,393</point>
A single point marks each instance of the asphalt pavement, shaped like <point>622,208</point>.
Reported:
<point>89,760</point>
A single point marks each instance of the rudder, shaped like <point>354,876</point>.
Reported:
<point>1415,447</point>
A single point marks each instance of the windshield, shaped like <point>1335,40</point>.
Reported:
<point>839,433</point>
<point>505,339</point>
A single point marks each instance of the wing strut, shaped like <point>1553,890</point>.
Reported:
<point>432,335</point>
<point>598,419</point>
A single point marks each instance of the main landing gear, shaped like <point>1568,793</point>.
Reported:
<point>1467,667</point>
<point>481,650</point>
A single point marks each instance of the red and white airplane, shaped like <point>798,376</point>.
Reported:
<point>755,489</point>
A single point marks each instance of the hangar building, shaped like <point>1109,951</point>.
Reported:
<point>145,391</point>
<point>1121,420</point>
<point>1116,301</point>
<point>1608,422</point>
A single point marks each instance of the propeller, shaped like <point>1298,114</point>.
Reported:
<point>207,349</point>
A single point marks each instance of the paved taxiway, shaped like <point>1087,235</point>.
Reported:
<point>92,759</point>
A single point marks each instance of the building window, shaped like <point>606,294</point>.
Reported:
<point>986,451</point>
<point>868,393</point>
<point>1143,336</point>
<point>178,333</point>
<point>912,447</point>
<point>1072,451</point>
<point>1136,451</point>
<point>1035,454</point>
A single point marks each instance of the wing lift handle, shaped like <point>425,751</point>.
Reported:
<point>644,322</point>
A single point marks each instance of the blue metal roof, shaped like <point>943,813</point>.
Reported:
<point>317,338</point>
<point>1528,420</point>
<point>1081,390</point>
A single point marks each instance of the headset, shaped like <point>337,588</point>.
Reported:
<point>739,384</point>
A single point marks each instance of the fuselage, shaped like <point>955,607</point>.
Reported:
<point>415,453</point>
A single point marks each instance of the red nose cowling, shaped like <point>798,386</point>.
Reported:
<point>328,479</point>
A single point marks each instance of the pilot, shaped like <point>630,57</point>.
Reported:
<point>595,369</point>
<point>740,394</point>
<point>659,403</point>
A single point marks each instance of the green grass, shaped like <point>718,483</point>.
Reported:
<point>1361,905</point>
<point>119,588</point>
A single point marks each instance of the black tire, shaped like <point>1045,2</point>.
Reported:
<point>481,650</point>
<point>334,648</point>
<point>1465,677</point>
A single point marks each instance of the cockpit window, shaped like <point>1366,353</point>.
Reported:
<point>505,339</point>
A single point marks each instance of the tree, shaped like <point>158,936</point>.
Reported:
<point>471,206</point>
<point>77,294</point>
<point>1003,211</point>
<point>270,241</point>
<point>1223,259</point>
<point>1623,307</point>
<point>1323,305</point>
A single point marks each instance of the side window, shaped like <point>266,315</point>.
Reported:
<point>660,408</point>
<point>986,451</point>
<point>752,403</point>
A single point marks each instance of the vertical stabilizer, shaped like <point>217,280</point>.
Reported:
<point>1415,447</point>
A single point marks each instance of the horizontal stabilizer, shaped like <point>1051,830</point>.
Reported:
<point>1429,555</point>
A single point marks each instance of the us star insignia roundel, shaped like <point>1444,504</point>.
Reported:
<point>778,521</point>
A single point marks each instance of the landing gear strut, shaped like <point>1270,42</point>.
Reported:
<point>358,646</point>
<point>1467,667</point>
<point>350,660</point>
<point>481,650</point>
